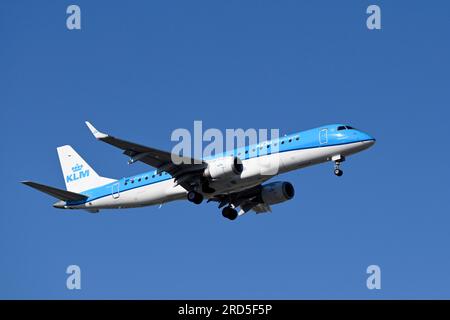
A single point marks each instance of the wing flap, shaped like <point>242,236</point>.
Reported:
<point>247,200</point>
<point>261,208</point>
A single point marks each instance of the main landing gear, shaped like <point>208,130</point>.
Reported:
<point>337,163</point>
<point>229,213</point>
<point>195,197</point>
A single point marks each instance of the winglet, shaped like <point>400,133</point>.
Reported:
<point>97,134</point>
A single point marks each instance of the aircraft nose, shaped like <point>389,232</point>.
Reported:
<point>368,139</point>
<point>371,142</point>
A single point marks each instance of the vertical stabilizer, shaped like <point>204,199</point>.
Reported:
<point>78,174</point>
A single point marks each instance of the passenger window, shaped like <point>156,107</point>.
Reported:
<point>282,142</point>
<point>298,138</point>
<point>290,140</point>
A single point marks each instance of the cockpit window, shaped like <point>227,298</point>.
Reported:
<point>345,128</point>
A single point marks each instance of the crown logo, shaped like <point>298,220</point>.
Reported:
<point>77,167</point>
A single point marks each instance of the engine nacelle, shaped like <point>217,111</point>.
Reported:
<point>224,168</point>
<point>277,192</point>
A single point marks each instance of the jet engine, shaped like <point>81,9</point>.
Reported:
<point>277,192</point>
<point>223,168</point>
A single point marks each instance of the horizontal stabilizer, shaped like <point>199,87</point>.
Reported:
<point>57,193</point>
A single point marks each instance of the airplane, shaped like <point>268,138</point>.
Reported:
<point>234,179</point>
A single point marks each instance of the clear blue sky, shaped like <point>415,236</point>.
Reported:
<point>140,69</point>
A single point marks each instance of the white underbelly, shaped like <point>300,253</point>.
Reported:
<point>151,194</point>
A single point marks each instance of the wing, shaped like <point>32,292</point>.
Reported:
<point>186,171</point>
<point>248,199</point>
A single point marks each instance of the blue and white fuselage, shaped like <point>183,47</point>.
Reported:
<point>244,188</point>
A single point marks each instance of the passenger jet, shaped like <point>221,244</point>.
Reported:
<point>235,179</point>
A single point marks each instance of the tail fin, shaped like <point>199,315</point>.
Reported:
<point>78,175</point>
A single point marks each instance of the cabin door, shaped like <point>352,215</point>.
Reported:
<point>115,191</point>
<point>323,136</point>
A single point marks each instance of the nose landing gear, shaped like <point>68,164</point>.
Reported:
<point>338,171</point>
<point>337,163</point>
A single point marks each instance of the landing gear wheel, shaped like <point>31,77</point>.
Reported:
<point>229,213</point>
<point>337,171</point>
<point>195,197</point>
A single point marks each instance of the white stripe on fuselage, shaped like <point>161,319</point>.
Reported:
<point>256,171</point>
